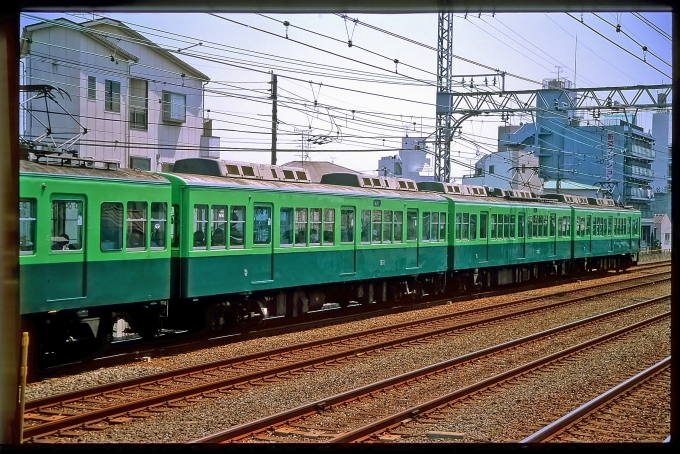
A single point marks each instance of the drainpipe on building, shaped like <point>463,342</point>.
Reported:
<point>127,116</point>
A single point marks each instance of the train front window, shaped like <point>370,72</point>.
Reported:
<point>27,221</point>
<point>111,226</point>
<point>67,225</point>
<point>159,222</point>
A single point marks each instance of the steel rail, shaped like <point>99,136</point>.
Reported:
<point>313,407</point>
<point>587,408</point>
<point>97,415</point>
<point>98,390</point>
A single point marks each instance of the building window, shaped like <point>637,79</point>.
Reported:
<point>174,107</point>
<point>491,170</point>
<point>138,104</point>
<point>112,96</point>
<point>91,87</point>
<point>140,163</point>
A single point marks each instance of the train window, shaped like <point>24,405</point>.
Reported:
<point>262,225</point>
<point>609,226</point>
<point>286,227</point>
<point>200,226</point>
<point>552,224</point>
<point>387,227</point>
<point>545,226</point>
<point>174,226</point>
<point>520,225</point>
<point>465,226</point>
<point>567,225</point>
<point>627,226</point>
<point>459,223</point>
<point>328,226</point>
<point>473,226</point>
<point>530,226</point>
<point>365,226</point>
<point>136,225</point>
<point>434,220</point>
<point>442,226</point>
<point>218,227</point>
<point>67,225</point>
<point>237,227</point>
<point>506,226</point>
<point>315,226</point>
<point>347,225</point>
<point>483,223</point>
<point>398,226</point>
<point>27,221</point>
<point>512,226</point>
<point>376,224</point>
<point>111,226</point>
<point>159,221</point>
<point>494,220</point>
<point>301,227</point>
<point>426,226</point>
<point>588,221</point>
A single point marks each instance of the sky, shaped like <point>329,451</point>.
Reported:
<point>352,104</point>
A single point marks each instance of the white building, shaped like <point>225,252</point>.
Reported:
<point>412,162</point>
<point>135,102</point>
<point>509,167</point>
<point>662,233</point>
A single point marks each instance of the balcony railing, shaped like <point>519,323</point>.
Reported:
<point>642,152</point>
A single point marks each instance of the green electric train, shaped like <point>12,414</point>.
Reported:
<point>216,244</point>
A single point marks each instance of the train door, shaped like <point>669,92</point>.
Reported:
<point>589,234</point>
<point>348,239</point>
<point>521,235</point>
<point>484,235</point>
<point>263,245</point>
<point>610,233</point>
<point>66,279</point>
<point>412,238</point>
<point>553,232</point>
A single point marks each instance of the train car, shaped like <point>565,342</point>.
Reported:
<point>93,241</point>
<point>500,237</point>
<point>605,236</point>
<point>260,241</point>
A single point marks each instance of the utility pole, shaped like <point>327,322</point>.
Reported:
<point>274,119</point>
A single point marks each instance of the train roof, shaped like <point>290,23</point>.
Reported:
<point>319,188</point>
<point>75,168</point>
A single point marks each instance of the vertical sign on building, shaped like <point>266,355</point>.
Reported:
<point>610,157</point>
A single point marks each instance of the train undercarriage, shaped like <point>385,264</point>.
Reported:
<point>63,336</point>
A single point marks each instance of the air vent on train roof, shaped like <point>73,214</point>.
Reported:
<point>236,169</point>
<point>368,181</point>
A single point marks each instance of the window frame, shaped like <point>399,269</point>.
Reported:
<point>111,97</point>
<point>30,219</point>
<point>167,104</point>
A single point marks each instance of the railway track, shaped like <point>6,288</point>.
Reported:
<point>170,344</point>
<point>382,412</point>
<point>637,410</point>
<point>98,408</point>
